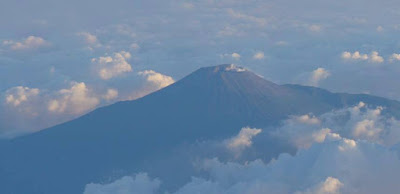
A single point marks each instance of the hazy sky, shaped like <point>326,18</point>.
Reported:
<point>61,59</point>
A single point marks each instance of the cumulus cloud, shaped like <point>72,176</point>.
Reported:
<point>314,170</point>
<point>31,42</point>
<point>243,139</point>
<point>308,119</point>
<point>89,38</point>
<point>301,131</point>
<point>108,67</point>
<point>235,56</point>
<point>375,58</point>
<point>394,57</point>
<point>357,56</point>
<point>358,122</point>
<point>329,186</point>
<point>365,123</point>
<point>111,94</point>
<point>336,165</point>
<point>157,80</point>
<point>259,55</point>
<point>17,95</point>
<point>318,75</point>
<point>75,100</point>
<point>140,184</point>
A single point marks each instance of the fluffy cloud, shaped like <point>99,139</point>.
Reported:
<point>108,67</point>
<point>31,42</point>
<point>89,38</point>
<point>17,95</point>
<point>375,58</point>
<point>157,80</point>
<point>301,131</point>
<point>394,57</point>
<point>111,94</point>
<point>329,186</point>
<point>365,123</point>
<point>359,122</point>
<point>75,100</point>
<point>259,55</point>
<point>140,184</point>
<point>242,140</point>
<point>318,75</point>
<point>233,67</point>
<point>235,56</point>
<point>356,56</point>
<point>336,165</point>
<point>312,120</point>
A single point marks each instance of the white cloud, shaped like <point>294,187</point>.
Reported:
<point>312,120</point>
<point>233,67</point>
<point>135,46</point>
<point>301,131</point>
<point>90,39</point>
<point>75,100</point>
<point>31,42</point>
<point>337,165</point>
<point>235,56</point>
<point>259,55</point>
<point>394,57</point>
<point>318,75</point>
<point>357,56</point>
<point>108,67</point>
<point>140,184</point>
<point>243,139</point>
<point>17,95</point>
<point>329,186</point>
<point>111,94</point>
<point>330,164</point>
<point>365,123</point>
<point>157,80</point>
<point>375,58</point>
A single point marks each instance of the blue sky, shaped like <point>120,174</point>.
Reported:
<point>61,59</point>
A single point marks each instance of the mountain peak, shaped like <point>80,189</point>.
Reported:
<point>225,68</point>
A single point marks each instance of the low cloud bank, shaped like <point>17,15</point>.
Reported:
<point>344,151</point>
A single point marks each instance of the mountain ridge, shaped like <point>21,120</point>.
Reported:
<point>211,103</point>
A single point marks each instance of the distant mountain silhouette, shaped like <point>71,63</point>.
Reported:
<point>212,103</point>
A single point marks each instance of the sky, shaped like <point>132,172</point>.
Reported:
<point>62,59</point>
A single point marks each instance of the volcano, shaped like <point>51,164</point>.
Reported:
<point>128,136</point>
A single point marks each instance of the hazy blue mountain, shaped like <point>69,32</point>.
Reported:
<point>212,103</point>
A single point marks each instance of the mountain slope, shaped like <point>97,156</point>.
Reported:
<point>126,137</point>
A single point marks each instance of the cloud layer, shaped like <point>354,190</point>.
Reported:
<point>325,163</point>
